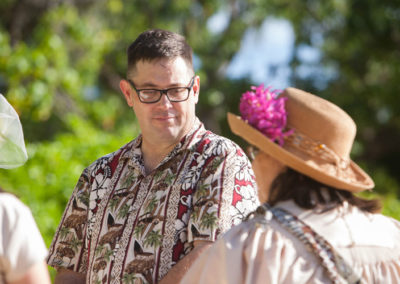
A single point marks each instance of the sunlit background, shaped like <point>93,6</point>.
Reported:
<point>61,62</point>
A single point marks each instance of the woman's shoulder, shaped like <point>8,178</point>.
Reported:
<point>13,213</point>
<point>375,229</point>
<point>263,231</point>
<point>10,204</point>
<point>383,220</point>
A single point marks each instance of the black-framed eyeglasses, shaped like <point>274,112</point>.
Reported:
<point>174,95</point>
<point>252,152</point>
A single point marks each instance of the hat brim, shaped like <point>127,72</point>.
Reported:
<point>357,180</point>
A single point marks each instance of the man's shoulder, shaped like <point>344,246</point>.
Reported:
<point>114,158</point>
<point>215,140</point>
<point>209,144</point>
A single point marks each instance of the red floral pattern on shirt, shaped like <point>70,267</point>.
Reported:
<point>122,226</point>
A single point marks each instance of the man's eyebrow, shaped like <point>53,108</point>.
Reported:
<point>152,85</point>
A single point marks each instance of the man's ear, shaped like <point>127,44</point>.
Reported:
<point>196,88</point>
<point>127,91</point>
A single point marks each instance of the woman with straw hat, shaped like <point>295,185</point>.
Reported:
<point>313,228</point>
<point>22,250</point>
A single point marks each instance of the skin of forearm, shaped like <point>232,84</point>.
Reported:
<point>65,276</point>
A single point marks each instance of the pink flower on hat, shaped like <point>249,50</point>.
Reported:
<point>265,110</point>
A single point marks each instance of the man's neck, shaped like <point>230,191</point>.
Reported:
<point>154,153</point>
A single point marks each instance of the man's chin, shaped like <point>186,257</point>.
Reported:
<point>169,133</point>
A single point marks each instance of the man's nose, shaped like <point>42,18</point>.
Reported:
<point>164,100</point>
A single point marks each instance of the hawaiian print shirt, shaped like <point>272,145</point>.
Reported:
<point>123,226</point>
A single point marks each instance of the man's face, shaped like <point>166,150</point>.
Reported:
<point>163,122</point>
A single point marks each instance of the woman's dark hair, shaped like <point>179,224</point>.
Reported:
<point>311,194</point>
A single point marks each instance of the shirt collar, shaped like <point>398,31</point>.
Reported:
<point>133,151</point>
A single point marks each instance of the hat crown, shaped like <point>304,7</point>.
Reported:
<point>320,120</point>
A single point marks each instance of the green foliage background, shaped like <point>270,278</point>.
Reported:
<point>61,62</point>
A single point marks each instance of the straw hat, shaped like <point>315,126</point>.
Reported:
<point>319,145</point>
<point>12,147</point>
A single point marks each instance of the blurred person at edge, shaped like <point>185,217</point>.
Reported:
<point>143,213</point>
<point>313,228</point>
<point>22,250</point>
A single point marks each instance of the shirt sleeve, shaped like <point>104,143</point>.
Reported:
<point>21,250</point>
<point>68,249</point>
<point>225,193</point>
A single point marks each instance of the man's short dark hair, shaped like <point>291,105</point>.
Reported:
<point>157,44</point>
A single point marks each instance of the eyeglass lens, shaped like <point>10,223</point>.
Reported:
<point>177,94</point>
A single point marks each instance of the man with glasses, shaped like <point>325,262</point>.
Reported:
<point>146,211</point>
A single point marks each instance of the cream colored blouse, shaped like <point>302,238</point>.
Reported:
<point>21,245</point>
<point>256,253</point>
